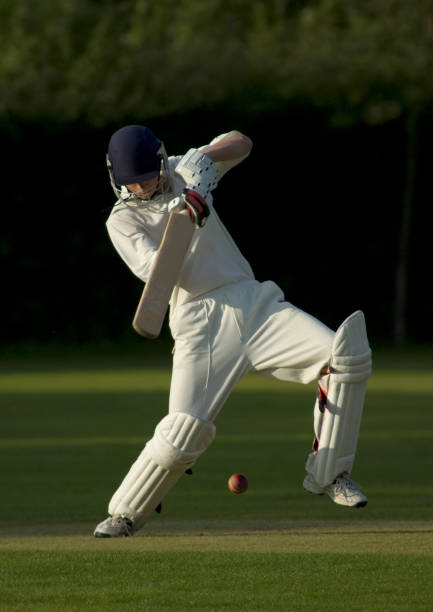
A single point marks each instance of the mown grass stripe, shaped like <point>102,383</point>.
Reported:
<point>214,580</point>
<point>364,541</point>
<point>103,381</point>
<point>247,438</point>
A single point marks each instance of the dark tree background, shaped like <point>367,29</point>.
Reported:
<point>334,202</point>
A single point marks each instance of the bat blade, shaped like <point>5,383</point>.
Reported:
<point>153,304</point>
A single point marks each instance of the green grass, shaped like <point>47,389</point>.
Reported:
<point>214,581</point>
<point>71,428</point>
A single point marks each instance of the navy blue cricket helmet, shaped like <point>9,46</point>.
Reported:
<point>133,152</point>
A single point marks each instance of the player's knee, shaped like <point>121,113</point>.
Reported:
<point>179,440</point>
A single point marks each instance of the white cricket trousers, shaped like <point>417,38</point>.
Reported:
<point>237,329</point>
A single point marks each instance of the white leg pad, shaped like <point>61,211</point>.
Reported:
<point>178,442</point>
<point>340,402</point>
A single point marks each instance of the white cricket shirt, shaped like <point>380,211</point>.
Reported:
<point>213,259</point>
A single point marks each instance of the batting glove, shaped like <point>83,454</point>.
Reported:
<point>196,206</point>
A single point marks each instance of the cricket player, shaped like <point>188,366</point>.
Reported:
<point>225,324</point>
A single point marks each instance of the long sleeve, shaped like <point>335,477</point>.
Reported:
<point>134,245</point>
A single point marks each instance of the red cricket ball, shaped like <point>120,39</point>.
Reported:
<point>237,484</point>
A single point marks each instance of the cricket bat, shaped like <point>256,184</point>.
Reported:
<point>153,304</point>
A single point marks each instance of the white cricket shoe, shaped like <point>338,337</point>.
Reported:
<point>114,527</point>
<point>343,490</point>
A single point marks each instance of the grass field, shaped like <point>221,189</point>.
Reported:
<point>72,424</point>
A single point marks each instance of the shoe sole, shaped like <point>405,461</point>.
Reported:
<point>105,535</point>
<point>360,504</point>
